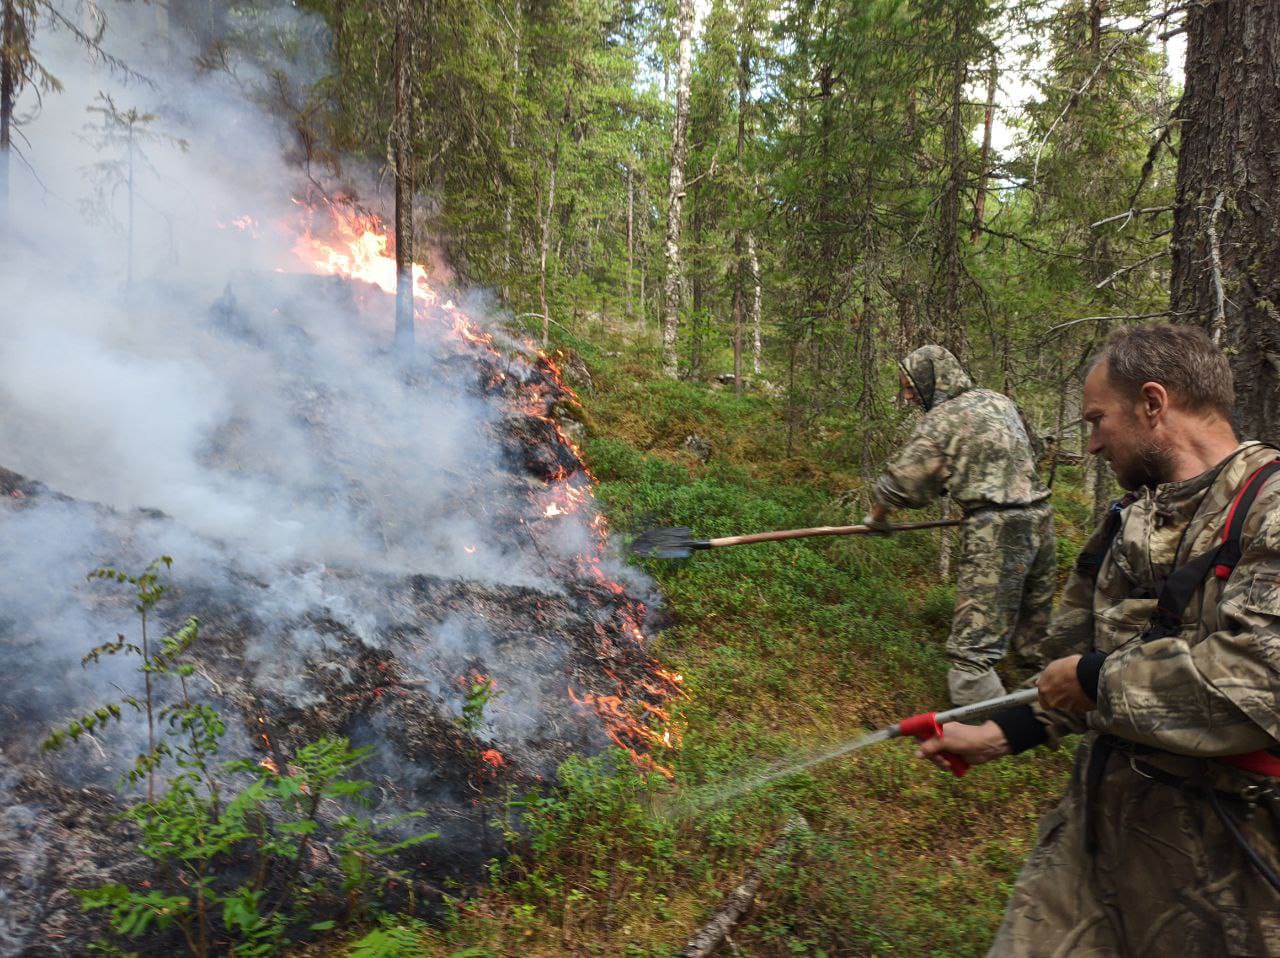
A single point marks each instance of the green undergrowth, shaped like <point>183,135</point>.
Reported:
<point>785,649</point>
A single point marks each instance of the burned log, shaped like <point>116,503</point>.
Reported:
<point>739,901</point>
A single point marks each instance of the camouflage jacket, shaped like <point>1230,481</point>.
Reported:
<point>1213,688</point>
<point>971,443</point>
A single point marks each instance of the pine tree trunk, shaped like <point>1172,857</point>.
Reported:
<point>741,272</point>
<point>631,240</point>
<point>404,181</point>
<point>1226,246</point>
<point>544,247</point>
<point>757,295</point>
<point>984,167</point>
<point>675,197</point>
<point>951,332</point>
<point>508,213</point>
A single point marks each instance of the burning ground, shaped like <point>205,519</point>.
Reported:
<point>367,606</point>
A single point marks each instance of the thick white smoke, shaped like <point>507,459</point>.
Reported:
<point>276,421</point>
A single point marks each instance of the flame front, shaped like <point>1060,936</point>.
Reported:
<point>355,244</point>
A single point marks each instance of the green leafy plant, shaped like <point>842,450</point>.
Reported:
<point>480,691</point>
<point>235,845</point>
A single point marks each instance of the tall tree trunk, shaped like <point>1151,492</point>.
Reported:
<point>675,197</point>
<point>949,221</point>
<point>8,92</point>
<point>1226,246</point>
<point>697,324</point>
<point>739,240</point>
<point>984,167</point>
<point>757,294</point>
<point>128,281</point>
<point>513,120</point>
<point>544,246</point>
<point>403,148</point>
<point>631,240</point>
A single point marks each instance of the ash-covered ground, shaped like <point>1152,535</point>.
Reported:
<point>384,582</point>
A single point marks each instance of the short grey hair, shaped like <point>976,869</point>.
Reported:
<point>1182,359</point>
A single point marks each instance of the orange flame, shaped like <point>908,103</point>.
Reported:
<point>356,244</point>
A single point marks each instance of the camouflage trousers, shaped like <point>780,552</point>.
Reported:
<point>1165,877</point>
<point>1008,575</point>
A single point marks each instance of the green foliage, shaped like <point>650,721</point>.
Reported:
<point>232,872</point>
<point>201,841</point>
<point>394,938</point>
<point>480,691</point>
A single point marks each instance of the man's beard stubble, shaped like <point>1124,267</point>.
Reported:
<point>1151,466</point>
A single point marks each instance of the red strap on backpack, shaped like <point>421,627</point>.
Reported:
<point>1230,554</point>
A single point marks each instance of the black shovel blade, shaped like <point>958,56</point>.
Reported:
<point>673,543</point>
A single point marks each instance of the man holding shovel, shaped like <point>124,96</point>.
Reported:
<point>973,445</point>
<point>1167,645</point>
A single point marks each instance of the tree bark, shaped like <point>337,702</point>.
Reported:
<point>403,149</point>
<point>544,247</point>
<point>1226,246</point>
<point>757,295</point>
<point>950,331</point>
<point>631,240</point>
<point>675,197</point>
<point>739,241</point>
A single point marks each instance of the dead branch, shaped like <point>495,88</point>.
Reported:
<point>1132,266</point>
<point>1219,323</point>
<point>1098,319</point>
<point>1129,214</point>
<point>716,931</point>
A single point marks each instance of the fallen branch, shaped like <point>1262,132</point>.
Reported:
<point>714,933</point>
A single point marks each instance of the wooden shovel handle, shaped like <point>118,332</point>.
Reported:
<point>825,531</point>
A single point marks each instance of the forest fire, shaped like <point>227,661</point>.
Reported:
<point>341,240</point>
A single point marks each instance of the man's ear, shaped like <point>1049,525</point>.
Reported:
<point>1154,402</point>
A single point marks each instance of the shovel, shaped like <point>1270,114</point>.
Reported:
<point>678,543</point>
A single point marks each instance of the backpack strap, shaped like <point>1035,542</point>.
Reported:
<point>1230,554</point>
<point>1089,561</point>
<point>1222,559</point>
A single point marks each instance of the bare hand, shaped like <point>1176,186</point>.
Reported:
<point>1060,687</point>
<point>976,744</point>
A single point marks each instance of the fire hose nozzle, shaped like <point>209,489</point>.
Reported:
<point>925,726</point>
<point>928,725</point>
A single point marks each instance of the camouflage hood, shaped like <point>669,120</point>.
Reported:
<point>936,375</point>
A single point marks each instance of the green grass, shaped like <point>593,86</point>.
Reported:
<point>784,647</point>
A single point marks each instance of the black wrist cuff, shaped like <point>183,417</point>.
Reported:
<point>1021,728</point>
<point>1088,671</point>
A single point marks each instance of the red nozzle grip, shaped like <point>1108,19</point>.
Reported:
<point>924,727</point>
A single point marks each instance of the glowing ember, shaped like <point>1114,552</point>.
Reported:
<point>469,550</point>
<point>491,756</point>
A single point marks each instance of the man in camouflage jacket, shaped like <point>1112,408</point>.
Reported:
<point>973,445</point>
<point>1162,844</point>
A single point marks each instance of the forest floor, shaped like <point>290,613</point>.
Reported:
<point>784,648</point>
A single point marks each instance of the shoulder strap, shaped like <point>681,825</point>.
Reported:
<point>1185,580</point>
<point>1089,561</point>
<point>1230,554</point>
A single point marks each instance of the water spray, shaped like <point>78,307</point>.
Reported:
<point>923,727</point>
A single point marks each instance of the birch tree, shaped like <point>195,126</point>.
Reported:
<point>674,278</point>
